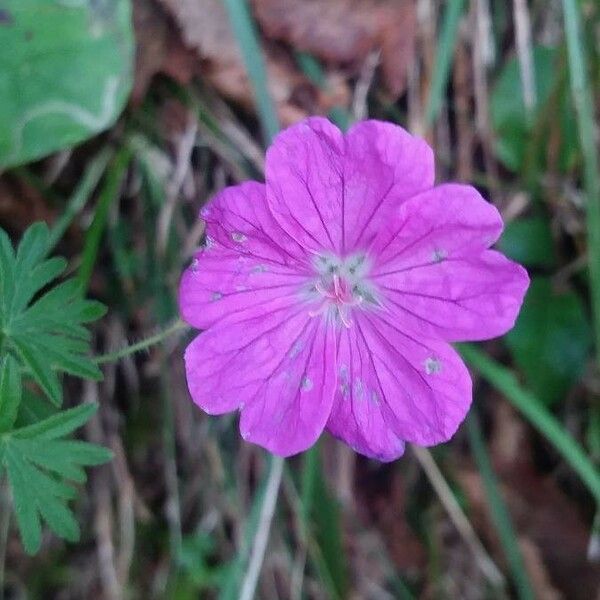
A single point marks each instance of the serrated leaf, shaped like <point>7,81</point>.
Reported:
<point>67,75</point>
<point>551,340</point>
<point>38,463</point>
<point>41,371</point>
<point>58,425</point>
<point>44,328</point>
<point>10,391</point>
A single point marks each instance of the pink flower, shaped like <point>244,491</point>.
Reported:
<point>331,292</point>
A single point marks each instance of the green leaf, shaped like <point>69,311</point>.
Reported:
<point>515,129</point>
<point>67,75</point>
<point>58,425</point>
<point>321,513</point>
<point>529,241</point>
<point>10,391</point>
<point>551,340</point>
<point>44,328</point>
<point>38,462</point>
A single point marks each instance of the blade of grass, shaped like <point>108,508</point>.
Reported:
<point>245,32</point>
<point>499,512</point>
<point>458,518</point>
<point>443,59</point>
<point>584,110</point>
<point>535,412</point>
<point>240,575</point>
<point>93,173</point>
<point>108,195</point>
<point>312,69</point>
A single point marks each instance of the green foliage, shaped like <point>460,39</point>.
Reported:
<point>43,331</point>
<point>520,137</point>
<point>529,242</point>
<point>37,460</point>
<point>551,340</point>
<point>322,512</point>
<point>41,335</point>
<point>65,75</point>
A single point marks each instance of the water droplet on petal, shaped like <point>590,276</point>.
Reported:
<point>195,264</point>
<point>216,296</point>
<point>209,243</point>
<point>236,236</point>
<point>306,384</point>
<point>259,269</point>
<point>205,212</point>
<point>432,366</point>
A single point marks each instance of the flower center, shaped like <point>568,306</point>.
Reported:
<point>341,285</point>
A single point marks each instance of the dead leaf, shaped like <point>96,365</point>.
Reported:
<point>547,522</point>
<point>158,49</point>
<point>205,27</point>
<point>343,32</point>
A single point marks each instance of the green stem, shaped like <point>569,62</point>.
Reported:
<point>443,59</point>
<point>499,512</point>
<point>109,194</point>
<point>142,345</point>
<point>584,110</point>
<point>244,29</point>
<point>535,412</point>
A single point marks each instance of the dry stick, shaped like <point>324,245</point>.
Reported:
<point>481,42</point>
<point>264,527</point>
<point>185,147</point>
<point>360,109</point>
<point>103,514</point>
<point>458,517</point>
<point>525,54</point>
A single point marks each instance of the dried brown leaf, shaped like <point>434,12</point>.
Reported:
<point>345,31</point>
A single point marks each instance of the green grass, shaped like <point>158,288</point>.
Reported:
<point>245,32</point>
<point>498,511</point>
<point>587,127</point>
<point>534,411</point>
<point>443,59</point>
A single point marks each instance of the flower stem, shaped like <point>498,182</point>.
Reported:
<point>142,345</point>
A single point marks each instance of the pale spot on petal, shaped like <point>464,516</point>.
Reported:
<point>432,366</point>
<point>236,236</point>
<point>306,384</point>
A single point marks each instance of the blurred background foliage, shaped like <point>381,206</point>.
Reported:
<point>136,113</point>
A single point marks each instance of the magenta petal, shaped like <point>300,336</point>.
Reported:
<point>447,221</point>
<point>416,390</point>
<point>221,283</point>
<point>470,298</point>
<point>248,260</point>
<point>384,166</point>
<point>357,417</point>
<point>289,411</point>
<point>305,187</point>
<point>239,219</point>
<point>277,365</point>
<point>331,192</point>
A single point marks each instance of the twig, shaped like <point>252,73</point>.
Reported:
<point>525,54</point>
<point>361,91</point>
<point>458,517</point>
<point>185,147</point>
<point>262,533</point>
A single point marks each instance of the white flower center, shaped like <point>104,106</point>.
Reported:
<point>340,286</point>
